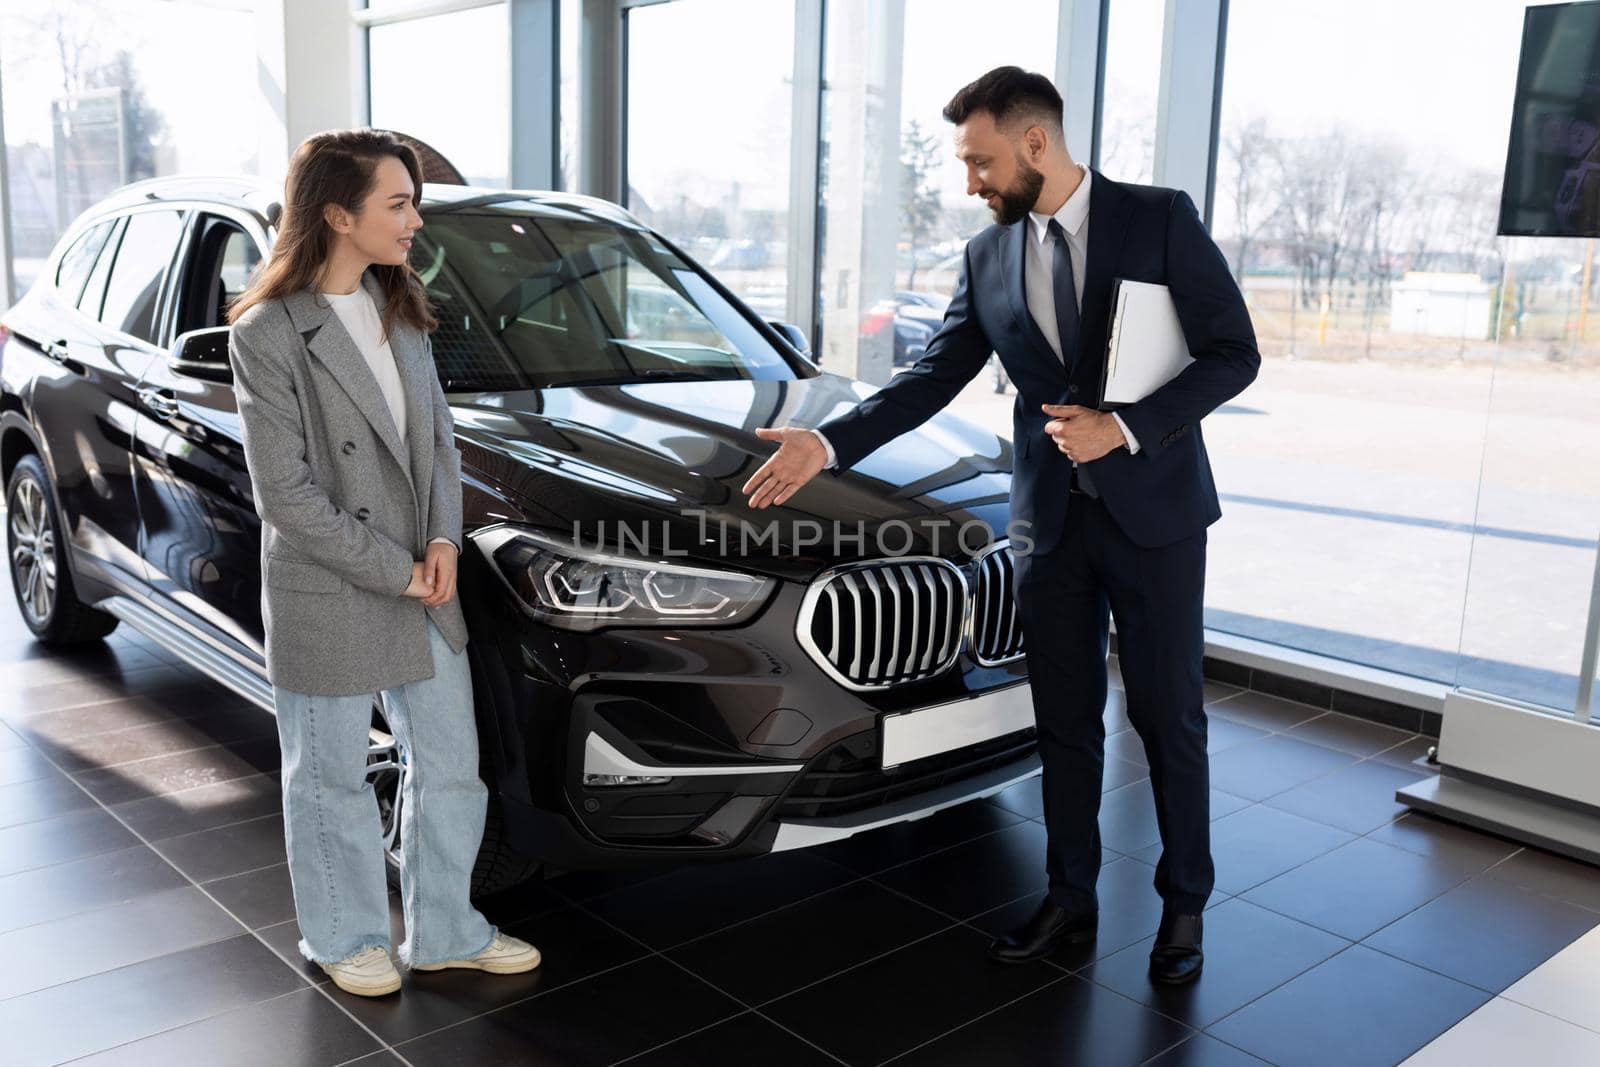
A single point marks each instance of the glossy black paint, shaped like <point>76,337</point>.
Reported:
<point>152,485</point>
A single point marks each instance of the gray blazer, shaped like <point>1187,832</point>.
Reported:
<point>346,506</point>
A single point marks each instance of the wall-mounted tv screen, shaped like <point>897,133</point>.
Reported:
<point>1552,184</point>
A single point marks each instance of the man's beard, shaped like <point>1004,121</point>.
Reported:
<point>1017,201</point>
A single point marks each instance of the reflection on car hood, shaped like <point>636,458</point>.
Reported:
<point>670,459</point>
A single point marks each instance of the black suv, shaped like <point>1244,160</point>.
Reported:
<point>660,672</point>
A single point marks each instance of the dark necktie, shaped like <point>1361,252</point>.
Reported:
<point>1065,289</point>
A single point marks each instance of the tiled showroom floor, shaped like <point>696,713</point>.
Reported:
<point>145,916</point>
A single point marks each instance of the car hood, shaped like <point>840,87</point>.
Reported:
<point>667,460</point>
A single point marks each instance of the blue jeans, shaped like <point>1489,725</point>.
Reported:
<point>334,834</point>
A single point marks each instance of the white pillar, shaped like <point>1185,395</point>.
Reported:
<point>312,69</point>
<point>1080,46</point>
<point>600,101</point>
<point>1186,114</point>
<point>805,126</point>
<point>535,68</point>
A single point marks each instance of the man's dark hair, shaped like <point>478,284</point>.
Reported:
<point>1008,94</point>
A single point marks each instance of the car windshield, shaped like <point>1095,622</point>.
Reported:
<point>543,297</point>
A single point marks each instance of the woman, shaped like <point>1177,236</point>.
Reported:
<point>357,481</point>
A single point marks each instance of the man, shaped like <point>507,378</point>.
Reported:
<point>1117,504</point>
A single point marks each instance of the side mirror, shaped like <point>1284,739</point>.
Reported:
<point>203,354</point>
<point>795,336</point>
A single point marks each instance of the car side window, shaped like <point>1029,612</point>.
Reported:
<point>133,294</point>
<point>222,258</point>
<point>94,291</point>
<point>75,265</point>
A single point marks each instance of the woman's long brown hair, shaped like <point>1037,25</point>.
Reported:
<point>336,167</point>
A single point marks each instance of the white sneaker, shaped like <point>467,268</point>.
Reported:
<point>505,955</point>
<point>369,973</point>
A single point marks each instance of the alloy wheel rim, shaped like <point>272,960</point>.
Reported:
<point>33,551</point>
<point>386,770</point>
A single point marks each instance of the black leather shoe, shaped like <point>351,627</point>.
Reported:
<point>1051,927</point>
<point>1176,957</point>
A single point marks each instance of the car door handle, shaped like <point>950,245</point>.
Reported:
<point>56,350</point>
<point>161,401</point>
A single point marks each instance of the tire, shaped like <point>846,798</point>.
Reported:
<point>498,866</point>
<point>41,579</point>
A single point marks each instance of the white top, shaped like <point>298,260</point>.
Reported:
<point>361,320</point>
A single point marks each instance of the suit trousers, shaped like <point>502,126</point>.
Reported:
<point>1156,595</point>
<point>332,827</point>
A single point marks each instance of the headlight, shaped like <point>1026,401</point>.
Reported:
<point>582,589</point>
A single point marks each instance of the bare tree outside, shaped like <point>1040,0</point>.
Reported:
<point>922,210</point>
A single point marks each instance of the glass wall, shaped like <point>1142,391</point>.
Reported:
<point>1423,413</point>
<point>1132,85</point>
<point>446,80</point>
<point>98,94</point>
<point>708,136</point>
<point>894,215</point>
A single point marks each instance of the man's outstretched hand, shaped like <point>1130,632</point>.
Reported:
<point>798,459</point>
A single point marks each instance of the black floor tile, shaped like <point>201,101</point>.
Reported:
<point>1249,952</point>
<point>1407,753</point>
<point>890,846</point>
<point>573,946</point>
<point>795,946</point>
<point>1263,711</point>
<point>1202,1050</point>
<point>94,882</point>
<point>586,885</point>
<point>42,798</point>
<point>1346,733</point>
<point>1358,888</point>
<point>62,839</point>
<point>1129,910</point>
<point>203,808</point>
<point>259,898</point>
<point>1259,843</point>
<point>1215,690</point>
<point>227,850</point>
<point>1070,1021</point>
<point>66,949</point>
<point>19,704</point>
<point>31,664</point>
<point>1116,713</point>
<point>1554,876</point>
<point>1223,734</point>
<point>978,875</point>
<point>110,748</point>
<point>1128,816</point>
<point>167,705</point>
<point>1129,746</point>
<point>598,1021</point>
<point>1359,1008</point>
<point>1358,798</point>
<point>284,938</point>
<point>381,1058</point>
<point>899,1001</point>
<point>23,764</point>
<point>1257,770</point>
<point>183,770</point>
<point>700,899</point>
<point>531,898</point>
<point>9,739</point>
<point>301,1028</point>
<point>1024,798</point>
<point>741,1041</point>
<point>106,1010</point>
<point>1429,836</point>
<point>1487,932</point>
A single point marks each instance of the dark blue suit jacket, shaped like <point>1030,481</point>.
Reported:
<point>1163,494</point>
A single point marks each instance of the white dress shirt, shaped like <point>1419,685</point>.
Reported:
<point>1039,280</point>
<point>362,322</point>
<point>1039,275</point>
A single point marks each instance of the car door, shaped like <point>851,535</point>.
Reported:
<point>200,535</point>
<point>83,397</point>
